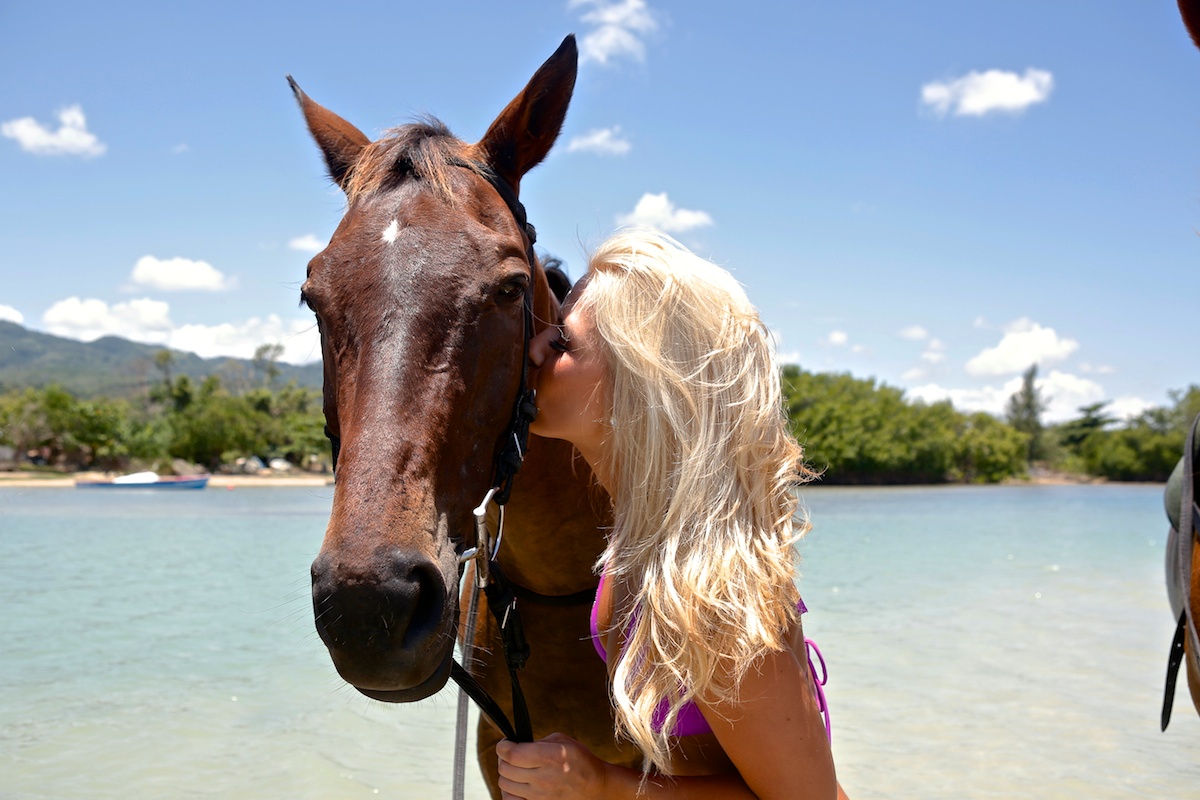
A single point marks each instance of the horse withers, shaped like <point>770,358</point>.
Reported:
<point>422,299</point>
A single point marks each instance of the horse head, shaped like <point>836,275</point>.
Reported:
<point>421,298</point>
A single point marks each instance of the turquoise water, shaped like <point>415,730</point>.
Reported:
<point>983,642</point>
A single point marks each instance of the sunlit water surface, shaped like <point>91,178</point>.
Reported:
<point>994,642</point>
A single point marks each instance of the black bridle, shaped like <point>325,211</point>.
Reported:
<point>501,593</point>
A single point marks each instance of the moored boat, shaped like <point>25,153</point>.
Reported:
<point>146,480</point>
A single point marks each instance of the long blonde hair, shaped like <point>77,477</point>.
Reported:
<point>703,470</point>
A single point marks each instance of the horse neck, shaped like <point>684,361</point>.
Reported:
<point>554,522</point>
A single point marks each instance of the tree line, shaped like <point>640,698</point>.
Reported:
<point>854,430</point>
<point>201,422</point>
<point>1144,448</point>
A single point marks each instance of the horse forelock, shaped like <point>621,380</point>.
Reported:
<point>425,149</point>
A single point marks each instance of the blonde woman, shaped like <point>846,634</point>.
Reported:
<point>662,377</point>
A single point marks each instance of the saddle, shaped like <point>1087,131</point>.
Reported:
<point>1180,499</point>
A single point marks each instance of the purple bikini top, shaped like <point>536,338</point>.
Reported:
<point>690,721</point>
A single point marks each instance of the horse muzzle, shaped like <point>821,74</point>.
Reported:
<point>389,625</point>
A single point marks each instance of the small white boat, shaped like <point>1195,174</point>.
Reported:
<point>147,480</point>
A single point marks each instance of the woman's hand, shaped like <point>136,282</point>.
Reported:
<point>554,767</point>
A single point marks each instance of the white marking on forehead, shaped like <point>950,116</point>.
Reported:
<point>391,232</point>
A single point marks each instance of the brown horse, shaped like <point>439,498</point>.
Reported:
<point>421,298</point>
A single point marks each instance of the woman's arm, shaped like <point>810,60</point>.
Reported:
<point>560,768</point>
<point>774,735</point>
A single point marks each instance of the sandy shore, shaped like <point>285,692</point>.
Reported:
<point>57,481</point>
<point>27,480</point>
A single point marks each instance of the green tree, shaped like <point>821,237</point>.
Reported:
<point>856,431</point>
<point>266,358</point>
<point>1147,447</point>
<point>1092,419</point>
<point>988,450</point>
<point>211,426</point>
<point>98,433</point>
<point>164,360</point>
<point>1024,413</point>
<point>23,421</point>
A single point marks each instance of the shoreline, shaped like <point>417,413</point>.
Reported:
<point>36,480</point>
<point>23,480</point>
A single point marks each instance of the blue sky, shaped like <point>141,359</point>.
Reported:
<point>934,194</point>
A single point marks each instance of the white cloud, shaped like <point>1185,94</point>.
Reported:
<point>988,398</point>
<point>980,322</point>
<point>307,243</point>
<point>300,339</point>
<point>149,321</point>
<point>979,93</point>
<point>180,148</point>
<point>1126,408</point>
<point>915,374</point>
<point>71,139</point>
<point>836,338</point>
<point>143,320</point>
<point>914,332</point>
<point>1088,368</point>
<point>1063,393</point>
<point>934,352</point>
<point>604,141</point>
<point>10,314</point>
<point>775,340</point>
<point>619,29</point>
<point>179,274</point>
<point>1025,342</point>
<point>657,211</point>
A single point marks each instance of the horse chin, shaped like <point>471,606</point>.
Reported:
<point>427,688</point>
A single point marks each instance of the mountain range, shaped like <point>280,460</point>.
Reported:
<point>116,367</point>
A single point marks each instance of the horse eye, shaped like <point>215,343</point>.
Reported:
<point>511,290</point>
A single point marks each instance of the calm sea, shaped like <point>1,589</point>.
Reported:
<point>995,642</point>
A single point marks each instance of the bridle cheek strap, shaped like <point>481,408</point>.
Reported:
<point>501,597</point>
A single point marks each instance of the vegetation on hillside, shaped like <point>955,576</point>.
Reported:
<point>200,422</point>
<point>116,367</point>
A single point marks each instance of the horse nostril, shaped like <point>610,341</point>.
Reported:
<point>396,603</point>
<point>431,600</point>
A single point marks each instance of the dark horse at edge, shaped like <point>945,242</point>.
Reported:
<point>1183,573</point>
<point>419,298</point>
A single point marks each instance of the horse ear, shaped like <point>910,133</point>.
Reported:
<point>340,142</point>
<point>523,134</point>
<point>1190,11</point>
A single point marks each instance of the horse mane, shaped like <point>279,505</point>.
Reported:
<point>425,149</point>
